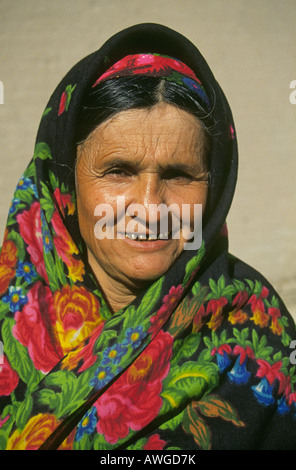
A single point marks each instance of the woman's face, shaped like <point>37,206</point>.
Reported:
<point>150,157</point>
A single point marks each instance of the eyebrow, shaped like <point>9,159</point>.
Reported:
<point>122,162</point>
<point>118,162</point>
<point>179,166</point>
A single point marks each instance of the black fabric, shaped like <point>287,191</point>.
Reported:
<point>216,333</point>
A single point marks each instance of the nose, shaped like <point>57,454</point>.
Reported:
<point>150,191</point>
<point>149,194</point>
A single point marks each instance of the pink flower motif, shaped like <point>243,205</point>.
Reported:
<point>275,314</point>
<point>83,353</point>
<point>243,353</point>
<point>271,372</point>
<point>3,421</point>
<point>170,301</point>
<point>231,130</point>
<point>291,398</point>
<point>240,300</point>
<point>134,400</point>
<point>8,379</point>
<point>31,328</point>
<point>215,306</point>
<point>259,317</point>
<point>65,99</point>
<point>147,64</point>
<point>154,443</point>
<point>66,248</point>
<point>63,201</point>
<point>63,242</point>
<point>224,348</point>
<point>30,230</point>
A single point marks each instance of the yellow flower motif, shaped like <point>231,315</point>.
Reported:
<point>77,315</point>
<point>76,270</point>
<point>34,434</point>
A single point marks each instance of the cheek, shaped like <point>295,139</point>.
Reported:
<point>86,203</point>
<point>203,196</point>
<point>197,194</point>
<point>192,203</point>
<point>97,212</point>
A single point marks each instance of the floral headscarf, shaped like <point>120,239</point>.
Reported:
<point>156,65</point>
<point>200,360</point>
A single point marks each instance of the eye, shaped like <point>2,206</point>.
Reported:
<point>118,172</point>
<point>177,175</point>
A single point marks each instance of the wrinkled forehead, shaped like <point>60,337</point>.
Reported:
<point>163,132</point>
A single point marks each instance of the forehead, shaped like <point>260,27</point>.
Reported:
<point>163,128</point>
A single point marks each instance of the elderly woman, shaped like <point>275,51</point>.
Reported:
<point>125,322</point>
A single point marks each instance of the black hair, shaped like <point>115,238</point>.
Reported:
<point>121,94</point>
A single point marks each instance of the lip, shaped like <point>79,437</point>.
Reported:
<point>147,245</point>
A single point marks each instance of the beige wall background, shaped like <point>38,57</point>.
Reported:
<point>250,46</point>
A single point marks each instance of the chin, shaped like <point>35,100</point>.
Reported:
<point>147,276</point>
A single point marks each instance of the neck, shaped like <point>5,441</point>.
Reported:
<point>117,294</point>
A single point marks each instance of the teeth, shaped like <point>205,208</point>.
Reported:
<point>134,236</point>
<point>131,236</point>
<point>163,236</point>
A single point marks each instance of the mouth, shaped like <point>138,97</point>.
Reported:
<point>147,237</point>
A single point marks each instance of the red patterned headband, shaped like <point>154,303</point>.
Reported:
<point>155,65</point>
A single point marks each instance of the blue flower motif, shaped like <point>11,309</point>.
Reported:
<point>15,298</point>
<point>198,89</point>
<point>134,336</point>
<point>26,270</point>
<point>223,361</point>
<point>24,183</point>
<point>283,408</point>
<point>103,375</point>
<point>87,424</point>
<point>113,354</point>
<point>263,392</point>
<point>239,373</point>
<point>14,205</point>
<point>46,236</point>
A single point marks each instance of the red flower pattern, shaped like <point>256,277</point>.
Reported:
<point>154,443</point>
<point>275,314</point>
<point>148,64</point>
<point>63,102</point>
<point>259,317</point>
<point>271,372</point>
<point>66,248</point>
<point>8,377</point>
<point>30,230</point>
<point>170,301</point>
<point>134,399</point>
<point>215,306</point>
<point>243,353</point>
<point>83,352</point>
<point>31,328</point>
